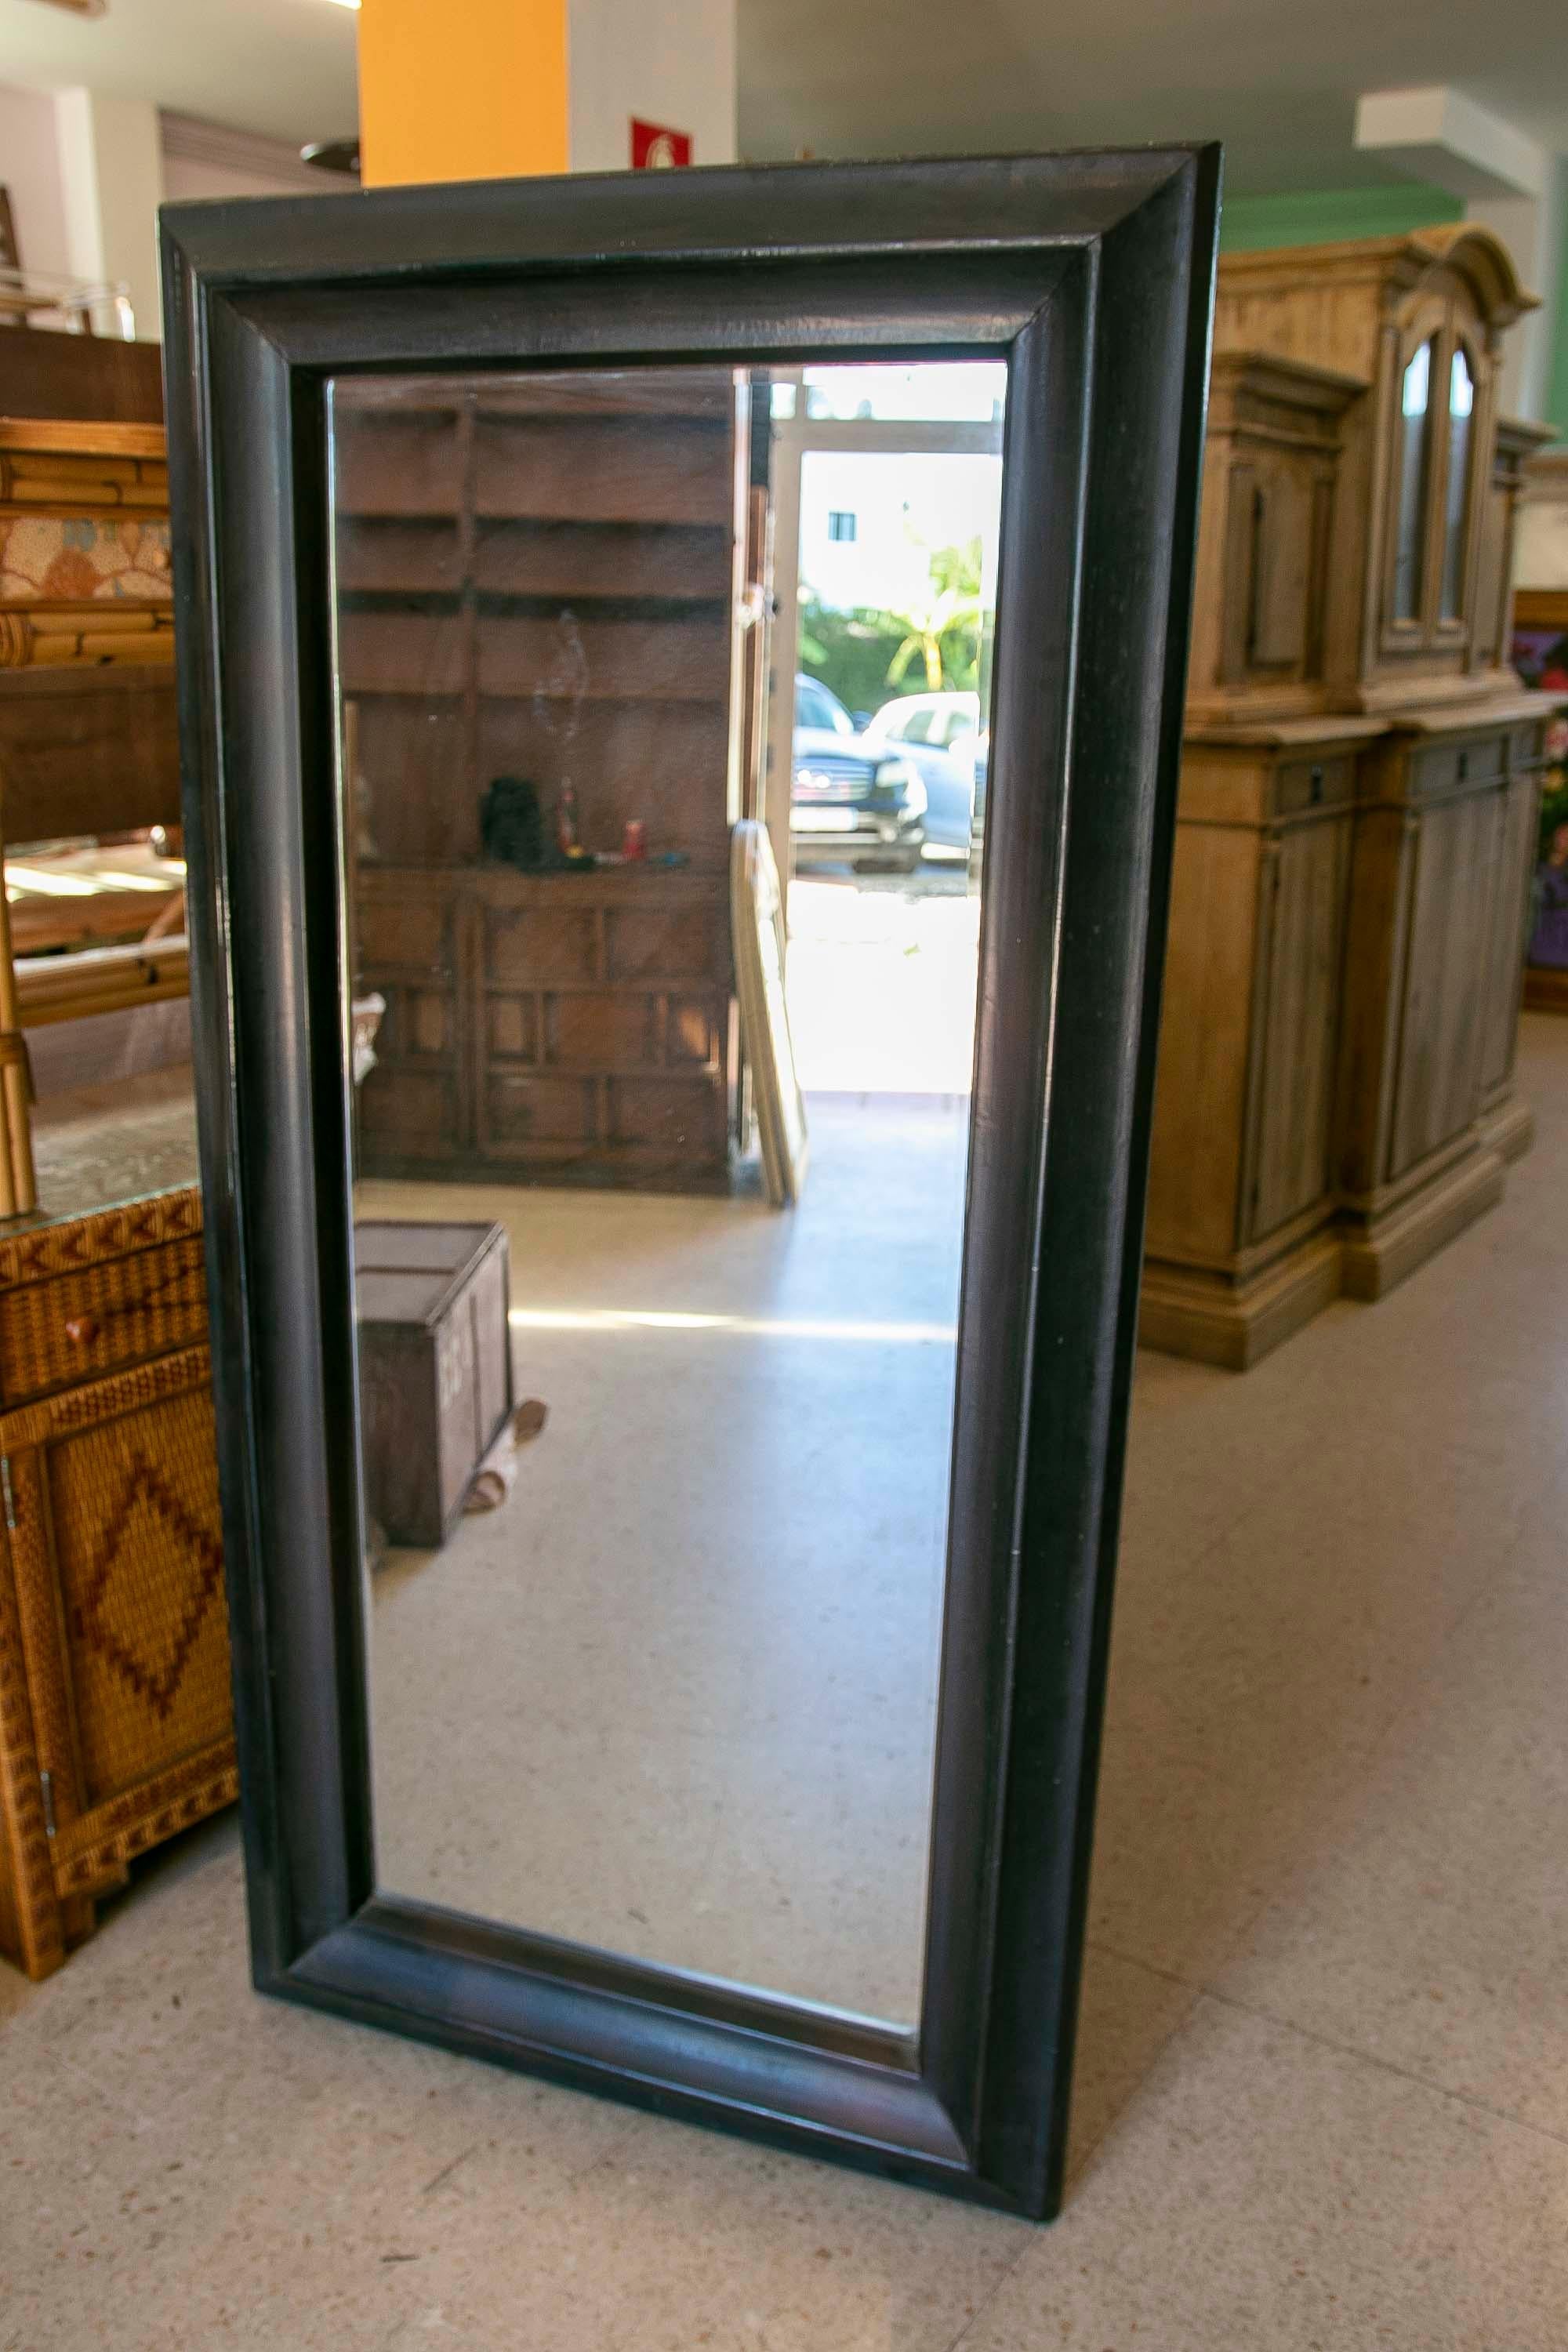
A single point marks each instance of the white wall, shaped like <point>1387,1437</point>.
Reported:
<point>30,169</point>
<point>905,507</point>
<point>111,168</point>
<point>666,61</point>
<point>1541,545</point>
<point>85,179</point>
<point>86,174</point>
<point>1532,229</point>
<point>204,160</point>
<point>190,179</point>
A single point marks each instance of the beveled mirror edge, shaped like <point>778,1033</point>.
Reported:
<point>986,2115</point>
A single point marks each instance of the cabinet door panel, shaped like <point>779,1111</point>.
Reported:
<point>1200,1093</point>
<point>408,1114</point>
<point>118,1557</point>
<point>598,1030</point>
<point>531,946</point>
<point>1281,569</point>
<point>405,932</point>
<point>1505,947</point>
<point>1297,1028</point>
<point>1438,1080</point>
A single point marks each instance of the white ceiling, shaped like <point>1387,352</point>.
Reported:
<point>1277,79</point>
<point>284,66</point>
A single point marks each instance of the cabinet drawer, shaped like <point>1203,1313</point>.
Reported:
<point>1313,783</point>
<point>1445,767</point>
<point>56,1332</point>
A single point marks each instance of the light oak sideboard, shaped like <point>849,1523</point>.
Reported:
<point>1336,1096</point>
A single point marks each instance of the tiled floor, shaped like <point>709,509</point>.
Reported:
<point>1323,2084</point>
<point>677,1698</point>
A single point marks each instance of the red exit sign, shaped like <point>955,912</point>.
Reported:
<point>656,148</point>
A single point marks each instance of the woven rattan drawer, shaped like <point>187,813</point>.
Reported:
<point>123,1310</point>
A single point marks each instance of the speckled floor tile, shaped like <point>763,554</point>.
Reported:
<point>1266,2193</point>
<point>1334,1780</point>
<point>1428,1927</point>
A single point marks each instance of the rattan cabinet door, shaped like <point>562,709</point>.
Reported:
<point>116,1558</point>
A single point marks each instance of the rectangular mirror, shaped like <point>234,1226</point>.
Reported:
<point>689,1614</point>
<point>678,793</point>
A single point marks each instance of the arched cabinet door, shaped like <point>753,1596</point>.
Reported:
<point>1417,377</point>
<point>1461,440</point>
<point>1440,410</point>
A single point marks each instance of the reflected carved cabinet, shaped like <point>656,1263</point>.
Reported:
<point>1335,1092</point>
<point>546,1028</point>
<point>541,580</point>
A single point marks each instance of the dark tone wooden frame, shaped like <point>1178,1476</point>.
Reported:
<point>1092,275</point>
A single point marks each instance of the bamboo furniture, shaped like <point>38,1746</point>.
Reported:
<point>538,577</point>
<point>87,708</point>
<point>1336,1096</point>
<point>115,1721</point>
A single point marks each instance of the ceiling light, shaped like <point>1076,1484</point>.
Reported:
<point>333,155</point>
<point>340,3</point>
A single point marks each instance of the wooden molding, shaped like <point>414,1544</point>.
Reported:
<point>100,979</point>
<point>87,632</point>
<point>191,141</point>
<point>69,437</point>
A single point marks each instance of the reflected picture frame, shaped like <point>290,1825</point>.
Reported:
<point>1091,276</point>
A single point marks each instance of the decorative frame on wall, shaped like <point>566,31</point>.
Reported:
<point>1091,275</point>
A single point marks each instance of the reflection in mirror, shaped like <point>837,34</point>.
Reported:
<point>1415,434</point>
<point>1455,535</point>
<point>664,704</point>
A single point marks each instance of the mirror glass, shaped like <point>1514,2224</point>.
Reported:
<point>1461,408</point>
<point>1415,433</point>
<point>663,702</point>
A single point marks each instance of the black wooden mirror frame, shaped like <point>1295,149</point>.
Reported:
<point>1091,276</point>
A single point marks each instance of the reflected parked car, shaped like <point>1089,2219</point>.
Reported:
<point>852,800</point>
<point>941,733</point>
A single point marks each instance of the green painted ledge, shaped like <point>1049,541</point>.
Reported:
<point>1253,224</point>
<point>1250,224</point>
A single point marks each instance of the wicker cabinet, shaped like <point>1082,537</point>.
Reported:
<point>115,1723</point>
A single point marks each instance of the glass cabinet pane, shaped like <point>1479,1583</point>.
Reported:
<point>1414,437</point>
<point>1455,536</point>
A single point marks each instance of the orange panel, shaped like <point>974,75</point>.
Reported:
<point>475,90</point>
